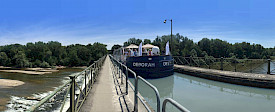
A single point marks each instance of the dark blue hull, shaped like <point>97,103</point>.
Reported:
<point>151,66</point>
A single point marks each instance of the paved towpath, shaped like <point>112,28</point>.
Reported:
<point>104,96</point>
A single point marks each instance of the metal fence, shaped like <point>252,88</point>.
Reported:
<point>174,103</point>
<point>72,94</point>
<point>123,71</point>
<point>262,66</point>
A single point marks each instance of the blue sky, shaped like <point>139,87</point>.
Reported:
<point>115,21</point>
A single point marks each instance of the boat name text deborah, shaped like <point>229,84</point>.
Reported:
<point>137,64</point>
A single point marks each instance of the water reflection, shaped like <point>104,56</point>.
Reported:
<point>165,87</point>
<point>202,95</point>
<point>229,88</point>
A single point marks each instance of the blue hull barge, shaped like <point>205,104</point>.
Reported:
<point>151,66</point>
<point>146,61</point>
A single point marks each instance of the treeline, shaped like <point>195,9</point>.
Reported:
<point>183,46</point>
<point>40,54</point>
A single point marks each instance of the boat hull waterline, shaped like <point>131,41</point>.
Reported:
<point>151,66</point>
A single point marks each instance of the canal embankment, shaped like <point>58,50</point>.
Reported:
<point>246,79</point>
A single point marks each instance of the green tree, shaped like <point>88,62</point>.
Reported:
<point>132,41</point>
<point>205,45</point>
<point>98,50</point>
<point>21,60</point>
<point>4,60</point>
<point>114,47</point>
<point>146,41</point>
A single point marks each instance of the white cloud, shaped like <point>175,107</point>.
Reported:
<point>91,32</point>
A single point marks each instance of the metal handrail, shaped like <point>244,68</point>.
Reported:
<point>174,103</point>
<point>155,90</point>
<point>49,96</point>
<point>93,70</point>
<point>75,101</point>
<point>127,81</point>
<point>135,88</point>
<point>144,104</point>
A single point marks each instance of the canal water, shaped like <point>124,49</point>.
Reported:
<point>202,95</point>
<point>15,99</point>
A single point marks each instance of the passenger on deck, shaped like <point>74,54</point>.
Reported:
<point>144,52</point>
<point>135,52</point>
<point>132,52</point>
<point>129,52</point>
<point>150,52</point>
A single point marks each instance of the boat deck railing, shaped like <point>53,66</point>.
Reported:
<point>123,71</point>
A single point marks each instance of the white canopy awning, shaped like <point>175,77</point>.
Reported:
<point>131,46</point>
<point>148,46</point>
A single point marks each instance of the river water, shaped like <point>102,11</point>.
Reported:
<point>202,95</point>
<point>14,99</point>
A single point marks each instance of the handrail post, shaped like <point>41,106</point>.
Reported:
<point>251,66</point>
<point>126,79</point>
<point>207,60</point>
<point>158,104</point>
<point>268,66</point>
<point>85,82</point>
<point>121,74</point>
<point>136,93</point>
<point>72,93</point>
<point>94,73</point>
<point>199,65</point>
<point>190,61</point>
<point>222,63</point>
<point>98,64</point>
<point>116,69</point>
<point>119,70</point>
<point>91,72</point>
<point>235,63</point>
<point>95,68</point>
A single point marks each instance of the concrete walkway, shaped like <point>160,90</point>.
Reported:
<point>104,96</point>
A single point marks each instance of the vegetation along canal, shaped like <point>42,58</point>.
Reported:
<point>34,87</point>
<point>202,95</point>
